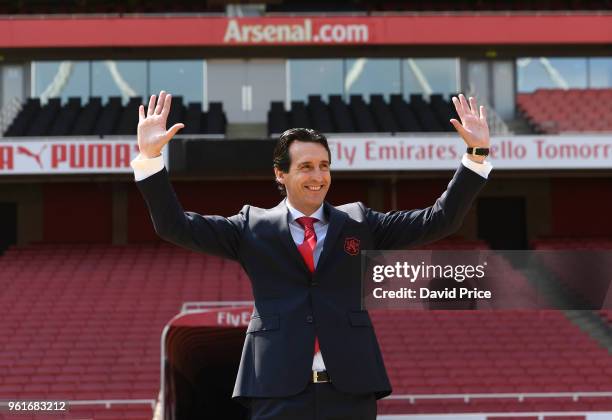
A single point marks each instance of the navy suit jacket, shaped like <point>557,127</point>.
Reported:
<point>292,304</point>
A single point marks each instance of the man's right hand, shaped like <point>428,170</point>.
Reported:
<point>152,133</point>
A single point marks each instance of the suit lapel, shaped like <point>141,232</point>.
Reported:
<point>336,221</point>
<point>280,220</point>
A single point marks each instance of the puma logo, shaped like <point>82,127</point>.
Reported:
<point>21,150</point>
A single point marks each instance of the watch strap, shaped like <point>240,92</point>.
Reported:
<point>478,151</point>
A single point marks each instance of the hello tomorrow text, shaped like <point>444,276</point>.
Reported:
<point>412,272</point>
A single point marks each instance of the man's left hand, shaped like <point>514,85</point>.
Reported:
<point>473,127</point>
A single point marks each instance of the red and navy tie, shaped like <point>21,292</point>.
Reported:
<point>307,248</point>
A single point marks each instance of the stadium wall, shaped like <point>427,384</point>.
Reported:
<point>77,212</point>
<point>114,212</point>
<point>582,206</point>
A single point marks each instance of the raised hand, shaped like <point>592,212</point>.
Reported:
<point>152,133</point>
<point>473,128</point>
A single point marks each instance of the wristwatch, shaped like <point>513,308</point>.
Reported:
<point>478,151</point>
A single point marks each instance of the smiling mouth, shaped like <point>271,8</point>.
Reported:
<point>317,188</point>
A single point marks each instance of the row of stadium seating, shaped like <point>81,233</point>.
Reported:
<point>549,111</point>
<point>484,353</point>
<point>337,116</point>
<point>586,257</point>
<point>577,244</point>
<point>72,118</point>
<point>554,111</point>
<point>544,353</point>
<point>88,324</point>
<point>53,119</point>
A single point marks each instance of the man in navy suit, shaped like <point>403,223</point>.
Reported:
<point>310,351</point>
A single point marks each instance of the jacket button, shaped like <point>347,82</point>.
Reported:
<point>309,319</point>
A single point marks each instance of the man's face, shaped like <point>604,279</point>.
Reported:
<point>308,178</point>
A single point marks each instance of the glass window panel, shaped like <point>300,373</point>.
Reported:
<point>369,76</point>
<point>552,73</point>
<point>61,79</point>
<point>478,80</point>
<point>179,77</point>
<point>119,78</point>
<point>600,72</point>
<point>315,77</point>
<point>430,75</point>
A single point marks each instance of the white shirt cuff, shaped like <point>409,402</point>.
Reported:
<point>144,168</point>
<point>481,169</point>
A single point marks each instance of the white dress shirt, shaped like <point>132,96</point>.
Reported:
<point>143,168</point>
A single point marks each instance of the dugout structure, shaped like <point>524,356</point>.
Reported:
<point>201,350</point>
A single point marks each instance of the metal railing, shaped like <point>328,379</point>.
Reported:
<point>110,403</point>
<point>497,125</point>
<point>520,396</point>
<point>528,415</point>
<point>211,305</point>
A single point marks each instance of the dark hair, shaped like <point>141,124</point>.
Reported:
<point>281,158</point>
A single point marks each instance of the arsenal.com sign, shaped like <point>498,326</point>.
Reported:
<point>289,31</point>
<point>65,157</point>
<point>298,31</point>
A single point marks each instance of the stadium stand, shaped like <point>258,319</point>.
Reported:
<point>341,115</point>
<point>554,111</point>
<point>67,117</point>
<point>362,115</point>
<point>357,116</point>
<point>82,321</point>
<point>461,352</point>
<point>24,119</point>
<point>88,324</point>
<point>87,117</point>
<point>87,327</point>
<point>319,112</point>
<point>108,117</point>
<point>54,119</point>
<point>404,115</point>
<point>214,121</point>
<point>571,261</point>
<point>382,114</point>
<point>299,115</point>
<point>511,352</point>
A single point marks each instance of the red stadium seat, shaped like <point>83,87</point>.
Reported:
<point>552,111</point>
<point>95,335</point>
